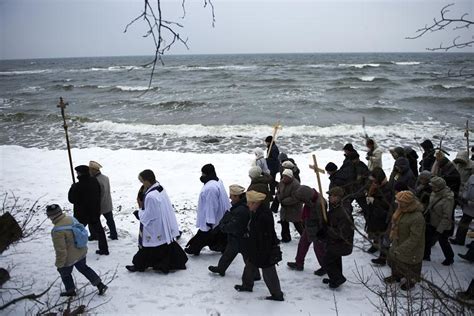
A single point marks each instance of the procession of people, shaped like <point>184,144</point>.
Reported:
<point>405,215</point>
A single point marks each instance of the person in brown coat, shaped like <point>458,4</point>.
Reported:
<point>290,210</point>
<point>67,255</point>
<point>408,239</point>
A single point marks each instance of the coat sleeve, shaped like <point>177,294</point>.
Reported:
<point>60,247</point>
<point>149,213</point>
<point>445,223</point>
<point>73,193</point>
<point>290,200</point>
<point>211,206</point>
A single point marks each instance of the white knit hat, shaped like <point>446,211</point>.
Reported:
<point>288,164</point>
<point>288,173</point>
<point>255,172</point>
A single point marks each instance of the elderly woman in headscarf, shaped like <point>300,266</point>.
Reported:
<point>408,239</point>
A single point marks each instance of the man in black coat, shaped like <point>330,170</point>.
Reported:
<point>339,238</point>
<point>428,158</point>
<point>234,224</point>
<point>261,247</point>
<point>272,161</point>
<point>85,196</point>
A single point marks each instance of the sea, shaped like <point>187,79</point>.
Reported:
<point>230,103</point>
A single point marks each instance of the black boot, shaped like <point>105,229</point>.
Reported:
<point>102,288</point>
<point>215,269</point>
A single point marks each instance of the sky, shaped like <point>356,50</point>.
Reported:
<point>80,28</point>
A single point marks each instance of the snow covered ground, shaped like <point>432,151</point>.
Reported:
<point>39,173</point>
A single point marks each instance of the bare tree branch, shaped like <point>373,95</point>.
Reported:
<point>164,33</point>
<point>442,23</point>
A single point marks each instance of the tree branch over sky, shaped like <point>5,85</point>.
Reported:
<point>164,33</point>
<point>445,23</point>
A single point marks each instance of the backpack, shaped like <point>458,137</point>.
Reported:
<point>78,230</point>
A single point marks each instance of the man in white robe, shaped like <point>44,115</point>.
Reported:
<point>158,230</point>
<point>212,205</point>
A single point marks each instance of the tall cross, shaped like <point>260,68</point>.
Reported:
<point>318,171</point>
<point>276,127</point>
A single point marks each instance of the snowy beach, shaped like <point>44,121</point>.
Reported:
<point>32,173</point>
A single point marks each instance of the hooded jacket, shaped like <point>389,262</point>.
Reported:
<point>464,166</point>
<point>441,205</point>
<point>402,173</point>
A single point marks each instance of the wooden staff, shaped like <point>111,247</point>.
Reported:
<point>363,127</point>
<point>62,106</point>
<point>276,127</point>
<point>321,199</point>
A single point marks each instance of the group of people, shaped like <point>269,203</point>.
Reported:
<point>405,214</point>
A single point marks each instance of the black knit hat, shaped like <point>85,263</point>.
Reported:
<point>330,167</point>
<point>348,147</point>
<point>268,139</point>
<point>82,169</point>
<point>208,169</point>
<point>53,210</point>
<point>427,144</point>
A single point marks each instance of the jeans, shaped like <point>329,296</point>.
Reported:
<point>82,267</point>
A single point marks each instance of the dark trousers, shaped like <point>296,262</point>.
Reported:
<point>96,229</point>
<point>82,267</point>
<point>270,277</point>
<point>199,241</point>
<point>303,247</point>
<point>333,266</point>
<point>463,228</point>
<point>231,251</point>
<point>285,229</point>
<point>432,237</point>
<point>411,272</point>
<point>109,217</point>
<point>273,183</point>
<point>155,257</point>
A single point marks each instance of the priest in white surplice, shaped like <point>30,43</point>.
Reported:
<point>212,205</point>
<point>158,230</point>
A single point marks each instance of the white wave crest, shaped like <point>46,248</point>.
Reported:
<point>406,130</point>
<point>367,78</point>
<point>359,66</point>
<point>225,67</point>
<point>406,63</point>
<point>128,88</point>
<point>25,72</point>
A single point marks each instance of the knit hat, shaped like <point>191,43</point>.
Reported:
<point>236,189</point>
<point>255,172</point>
<point>427,144</point>
<point>53,211</point>
<point>330,167</point>
<point>259,152</point>
<point>348,147</point>
<point>208,169</point>
<point>336,191</point>
<point>82,169</point>
<point>288,173</point>
<point>424,175</point>
<point>94,165</point>
<point>282,157</point>
<point>405,196</point>
<point>437,183</point>
<point>288,164</point>
<point>268,139</point>
<point>254,196</point>
<point>398,152</point>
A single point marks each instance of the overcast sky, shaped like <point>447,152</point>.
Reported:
<point>76,28</point>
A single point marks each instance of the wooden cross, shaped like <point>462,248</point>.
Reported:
<point>318,171</point>
<point>466,134</point>
<point>62,105</point>
<point>276,127</point>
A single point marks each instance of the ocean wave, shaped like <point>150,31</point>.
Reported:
<point>276,80</point>
<point>211,68</point>
<point>359,66</point>
<point>406,63</point>
<point>38,118</point>
<point>367,78</point>
<point>177,105</point>
<point>133,89</point>
<point>110,68</point>
<point>356,89</point>
<point>424,129</point>
<point>25,72</point>
<point>445,87</point>
<point>31,89</point>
